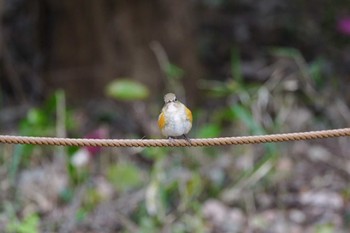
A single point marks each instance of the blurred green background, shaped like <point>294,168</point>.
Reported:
<point>100,69</point>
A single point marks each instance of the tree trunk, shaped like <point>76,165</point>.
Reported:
<point>81,45</point>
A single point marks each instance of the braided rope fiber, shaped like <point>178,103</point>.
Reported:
<point>52,141</point>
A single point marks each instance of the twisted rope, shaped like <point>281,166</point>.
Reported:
<point>345,132</point>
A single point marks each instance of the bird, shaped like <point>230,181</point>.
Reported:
<point>175,119</point>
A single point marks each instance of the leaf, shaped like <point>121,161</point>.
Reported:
<point>246,117</point>
<point>236,70</point>
<point>265,164</point>
<point>286,52</point>
<point>174,72</point>
<point>81,214</point>
<point>124,89</point>
<point>324,228</point>
<point>155,152</point>
<point>316,70</point>
<point>209,131</point>
<point>66,195</point>
<point>36,117</point>
<point>30,224</point>
<point>148,225</point>
<point>215,88</point>
<point>194,186</point>
<point>124,176</point>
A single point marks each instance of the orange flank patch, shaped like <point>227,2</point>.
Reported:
<point>161,121</point>
<point>189,114</point>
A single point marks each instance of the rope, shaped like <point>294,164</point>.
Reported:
<point>345,132</point>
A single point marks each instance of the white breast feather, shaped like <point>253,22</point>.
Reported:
<point>177,123</point>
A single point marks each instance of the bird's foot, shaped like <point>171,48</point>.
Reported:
<point>186,138</point>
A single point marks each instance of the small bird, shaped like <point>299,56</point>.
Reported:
<point>175,120</point>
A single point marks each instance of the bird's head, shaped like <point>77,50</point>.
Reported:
<point>170,97</point>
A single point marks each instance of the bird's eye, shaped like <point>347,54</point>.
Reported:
<point>175,99</point>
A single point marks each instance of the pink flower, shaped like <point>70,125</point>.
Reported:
<point>100,133</point>
<point>343,25</point>
<point>84,155</point>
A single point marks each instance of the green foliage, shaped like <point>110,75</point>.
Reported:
<point>286,52</point>
<point>210,130</point>
<point>190,190</point>
<point>177,186</point>
<point>174,72</point>
<point>126,89</point>
<point>77,175</point>
<point>29,224</point>
<point>17,157</point>
<point>124,176</point>
<point>39,121</point>
<point>91,199</point>
<point>324,228</point>
<point>155,152</point>
<point>148,225</point>
<point>81,215</point>
<point>261,168</point>
<point>240,112</point>
<point>66,195</point>
<point>236,71</point>
<point>316,71</point>
<point>243,114</point>
<point>169,191</point>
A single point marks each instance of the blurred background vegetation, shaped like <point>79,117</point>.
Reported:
<point>100,68</point>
